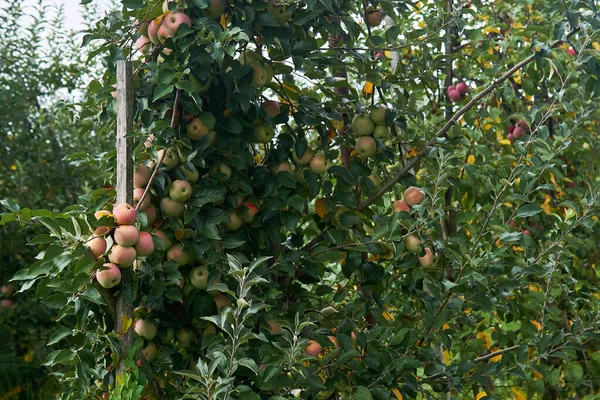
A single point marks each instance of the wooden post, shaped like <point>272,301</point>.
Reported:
<point>124,303</point>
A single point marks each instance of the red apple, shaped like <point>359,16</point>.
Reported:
<point>373,17</point>
<point>173,20</point>
<point>164,238</point>
<point>454,95</point>
<point>97,246</point>
<point>145,245</point>
<point>153,27</point>
<point>313,349</point>
<point>462,88</point>
<point>400,205</point>
<point>122,256</point>
<point>429,259</point>
<point>414,196</point>
<point>318,164</point>
<point>124,214</point>
<point>141,176</point>
<point>272,107</point>
<point>306,156</point>
<point>177,254</point>
<point>137,195</point>
<point>249,211</point>
<point>150,214</point>
<point>282,167</point>
<point>365,147</point>
<point>126,235</point>
<point>171,208</point>
<point>221,301</point>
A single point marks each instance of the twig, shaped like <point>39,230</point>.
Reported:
<point>496,353</point>
<point>156,167</point>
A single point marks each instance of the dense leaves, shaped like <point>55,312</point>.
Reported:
<point>319,284</point>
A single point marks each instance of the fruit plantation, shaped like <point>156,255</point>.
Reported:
<point>332,199</point>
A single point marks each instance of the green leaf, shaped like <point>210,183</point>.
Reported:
<point>161,91</point>
<point>59,335</point>
<point>362,393</point>
<point>528,210</point>
<point>92,294</point>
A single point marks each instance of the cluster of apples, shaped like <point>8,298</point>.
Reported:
<point>156,31</point>
<point>368,128</point>
<point>128,243</point>
<point>412,243</point>
<point>7,291</point>
<point>456,93</point>
<point>517,131</point>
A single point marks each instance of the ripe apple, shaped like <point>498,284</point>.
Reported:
<point>150,214</point>
<point>177,254</point>
<point>462,88</point>
<point>279,12</point>
<point>272,107</point>
<point>365,147</point>
<point>8,290</point>
<point>171,208</point>
<point>196,130</point>
<point>146,329</point>
<point>511,128</point>
<point>382,132</point>
<point>216,9</point>
<point>141,176</point>
<point>249,211</point>
<point>318,164</point>
<point>401,206</point>
<point>413,196</point>
<point>163,35</point>
<point>191,173</point>
<point>429,259</point>
<point>122,256</point>
<point>263,133</point>
<point>333,340</point>
<point>281,167</point>
<point>6,303</point>
<point>150,352</point>
<point>174,20</point>
<point>199,277</point>
<point>454,95</point>
<point>142,44</point>
<point>313,349</point>
<point>362,125</point>
<point>306,156</point>
<point>180,190</point>
<point>571,51</point>
<point>153,27</point>
<point>97,246</point>
<point>412,243</point>
<point>167,242</point>
<point>170,159</point>
<point>185,337</point>
<point>126,235</point>
<point>518,133</point>
<point>234,223</point>
<point>124,214</point>
<point>109,278</point>
<point>373,17</point>
<point>137,195</point>
<point>221,301</point>
<point>145,245</point>
<point>378,114</point>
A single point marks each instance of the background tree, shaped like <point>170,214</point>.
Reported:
<point>42,80</point>
<point>439,245</point>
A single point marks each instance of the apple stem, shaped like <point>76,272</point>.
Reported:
<point>162,157</point>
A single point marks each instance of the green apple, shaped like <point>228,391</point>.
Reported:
<point>216,9</point>
<point>235,222</point>
<point>171,208</point>
<point>191,173</point>
<point>412,244</point>
<point>170,158</point>
<point>199,277</point>
<point>248,210</point>
<point>177,254</point>
<point>221,169</point>
<point>362,125</point>
<point>382,132</point>
<point>145,328</point>
<point>180,191</point>
<point>185,337</point>
<point>378,114</point>
<point>199,86</point>
<point>263,133</point>
<point>259,78</point>
<point>282,167</point>
<point>150,352</point>
<point>109,278</point>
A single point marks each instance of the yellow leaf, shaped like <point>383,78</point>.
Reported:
<point>388,54</point>
<point>223,21</point>
<point>387,312</point>
<point>397,394</point>
<point>518,394</point>
<point>468,311</point>
<point>367,89</point>
<point>536,375</point>
<point>446,327</point>
<point>412,152</point>
<point>447,357</point>
<point>13,167</point>
<point>337,125</point>
<point>518,249</point>
<point>125,324</point>
<point>29,356</point>
<point>257,159</point>
<point>471,159</point>
<point>421,24</point>
<point>320,208</point>
<point>496,358</point>
<point>480,395</point>
<point>536,324</point>
<point>485,338</point>
<point>491,29</point>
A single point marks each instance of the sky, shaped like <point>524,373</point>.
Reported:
<point>72,8</point>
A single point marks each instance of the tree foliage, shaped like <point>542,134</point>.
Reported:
<point>486,288</point>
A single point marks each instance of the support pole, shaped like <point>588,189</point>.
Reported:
<point>124,307</point>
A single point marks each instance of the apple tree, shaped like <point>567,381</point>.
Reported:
<point>338,199</point>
